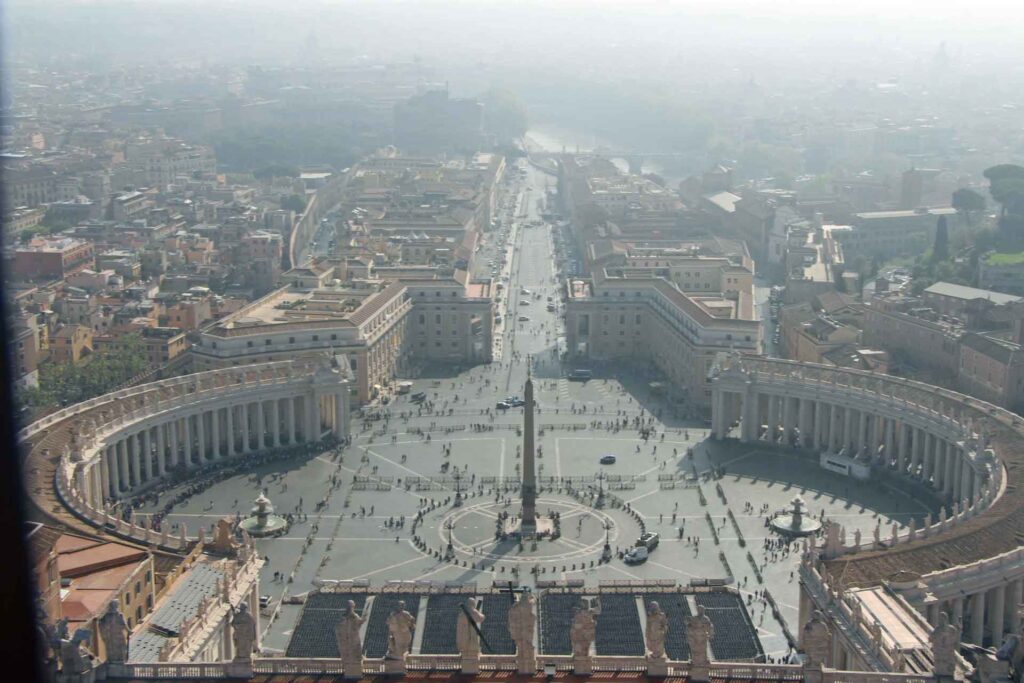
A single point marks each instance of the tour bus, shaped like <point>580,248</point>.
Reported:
<point>581,375</point>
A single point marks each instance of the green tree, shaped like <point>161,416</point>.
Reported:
<point>1006,185</point>
<point>968,202</point>
<point>64,384</point>
<point>293,202</point>
<point>940,249</point>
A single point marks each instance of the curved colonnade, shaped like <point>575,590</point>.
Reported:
<point>967,452</point>
<point>128,442</point>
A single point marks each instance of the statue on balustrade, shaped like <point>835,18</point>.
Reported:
<point>657,629</point>
<point>114,631</point>
<point>581,635</point>
<point>400,627</point>
<point>466,636</point>
<point>699,632</point>
<point>816,640</point>
<point>522,623</point>
<point>243,632</point>
<point>350,645</point>
<point>75,657</point>
<point>945,641</point>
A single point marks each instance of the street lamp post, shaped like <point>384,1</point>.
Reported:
<point>606,555</point>
<point>449,552</point>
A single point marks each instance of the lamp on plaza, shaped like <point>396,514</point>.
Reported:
<point>458,488</point>
<point>599,503</point>
<point>606,554</point>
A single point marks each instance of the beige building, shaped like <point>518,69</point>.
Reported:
<point>378,324</point>
<point>915,333</point>
<point>650,319</point>
<point>992,369</point>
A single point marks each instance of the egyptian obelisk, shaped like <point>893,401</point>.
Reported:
<point>528,524</point>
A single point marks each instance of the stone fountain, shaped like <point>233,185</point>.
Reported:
<point>262,521</point>
<point>795,521</point>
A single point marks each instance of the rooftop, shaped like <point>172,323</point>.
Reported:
<point>970,293</point>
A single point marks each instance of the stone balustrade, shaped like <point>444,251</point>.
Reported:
<point>130,441</point>
<point>267,666</point>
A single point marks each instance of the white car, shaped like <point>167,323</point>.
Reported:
<point>636,555</point>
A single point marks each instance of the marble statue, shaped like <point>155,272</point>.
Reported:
<point>400,627</point>
<point>816,640</point>
<point>466,637</point>
<point>522,624</point>
<point>945,641</point>
<point>581,634</point>
<point>699,632</point>
<point>350,645</point>
<point>75,658</point>
<point>657,629</point>
<point>114,631</point>
<point>243,632</point>
<point>583,631</point>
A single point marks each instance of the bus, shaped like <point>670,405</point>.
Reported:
<point>580,375</point>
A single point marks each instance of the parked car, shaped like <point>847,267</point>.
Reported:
<point>607,459</point>
<point>502,405</point>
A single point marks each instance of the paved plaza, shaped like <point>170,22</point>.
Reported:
<point>353,509</point>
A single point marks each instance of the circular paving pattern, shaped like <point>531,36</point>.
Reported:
<point>473,532</point>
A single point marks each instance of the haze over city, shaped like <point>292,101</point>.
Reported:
<point>500,340</point>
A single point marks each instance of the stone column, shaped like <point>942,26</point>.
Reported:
<point>161,450</point>
<point>901,465</point>
<point>261,426</point>
<point>124,483</point>
<point>243,426</point>
<point>229,414</point>
<point>105,470</point>
<point>915,449</point>
<point>275,416</point>
<point>926,459</point>
<point>939,464</point>
<point>293,436</point>
<point>175,459</point>
<point>966,481</point>
<point>773,417</point>
<point>187,433</point>
<point>820,441</point>
<point>147,454</point>
<point>977,618</point>
<point>1015,597</point>
<point>862,432</point>
<point>317,417</point>
<point>339,414</point>
<point>749,426</point>
<point>200,438</point>
<point>215,451</point>
<point>717,410</point>
<point>952,455</point>
<point>958,474</point>
<point>996,611</point>
<point>131,443</point>
<point>958,612</point>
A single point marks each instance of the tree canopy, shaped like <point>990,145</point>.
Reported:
<point>63,384</point>
<point>966,200</point>
<point>293,202</point>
